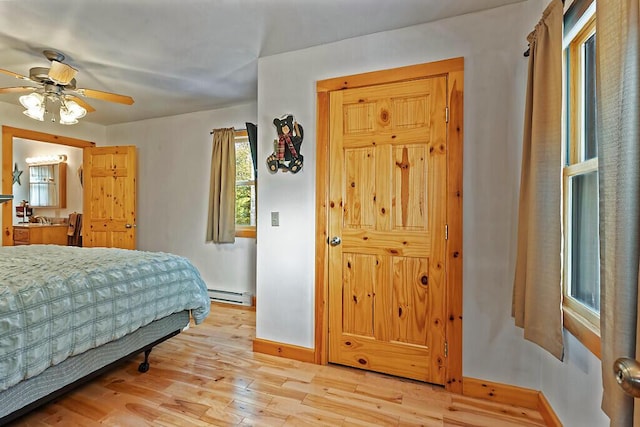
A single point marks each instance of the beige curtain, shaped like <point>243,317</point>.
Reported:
<point>537,288</point>
<point>618,100</point>
<point>221,227</point>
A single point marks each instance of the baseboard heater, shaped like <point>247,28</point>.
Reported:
<point>230,297</point>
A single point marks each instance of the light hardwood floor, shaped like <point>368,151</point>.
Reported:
<point>209,375</point>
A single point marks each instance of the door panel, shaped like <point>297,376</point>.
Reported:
<point>410,173</point>
<point>387,278</point>
<point>109,197</point>
<point>410,296</point>
<point>359,211</point>
<point>357,294</point>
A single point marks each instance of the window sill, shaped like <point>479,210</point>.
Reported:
<point>243,231</point>
<point>584,331</point>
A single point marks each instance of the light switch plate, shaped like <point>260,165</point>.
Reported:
<point>275,219</point>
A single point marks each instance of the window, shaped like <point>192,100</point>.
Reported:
<point>245,188</point>
<point>581,302</point>
<point>42,186</point>
<point>47,185</point>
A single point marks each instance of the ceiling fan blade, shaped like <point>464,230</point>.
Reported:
<point>81,102</point>
<point>61,73</point>
<point>16,75</point>
<point>17,89</point>
<point>105,96</point>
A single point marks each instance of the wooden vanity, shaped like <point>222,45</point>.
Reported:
<point>47,234</point>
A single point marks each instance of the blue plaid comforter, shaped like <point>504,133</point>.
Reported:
<point>59,301</point>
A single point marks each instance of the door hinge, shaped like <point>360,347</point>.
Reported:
<point>446,349</point>
<point>446,232</point>
<point>446,114</point>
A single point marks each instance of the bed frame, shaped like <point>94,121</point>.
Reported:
<point>57,380</point>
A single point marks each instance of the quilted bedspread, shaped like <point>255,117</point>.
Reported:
<point>59,301</point>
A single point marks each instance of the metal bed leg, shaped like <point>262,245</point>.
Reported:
<point>144,366</point>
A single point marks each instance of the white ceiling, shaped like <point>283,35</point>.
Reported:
<point>181,56</point>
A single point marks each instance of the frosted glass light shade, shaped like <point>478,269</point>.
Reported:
<point>75,109</point>
<point>34,106</point>
<point>66,119</point>
<point>33,100</point>
<point>70,112</point>
<point>36,113</point>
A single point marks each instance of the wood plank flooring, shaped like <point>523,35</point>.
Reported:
<point>208,375</point>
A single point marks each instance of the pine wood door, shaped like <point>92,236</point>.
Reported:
<point>387,279</point>
<point>109,214</point>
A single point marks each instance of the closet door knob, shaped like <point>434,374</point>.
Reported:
<point>335,241</point>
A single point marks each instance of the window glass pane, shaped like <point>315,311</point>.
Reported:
<point>244,164</point>
<point>584,255</point>
<point>245,186</point>
<point>245,205</point>
<point>567,107</point>
<point>590,146</point>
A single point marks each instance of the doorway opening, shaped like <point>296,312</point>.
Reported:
<point>9,136</point>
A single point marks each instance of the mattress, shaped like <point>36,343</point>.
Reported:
<point>57,302</point>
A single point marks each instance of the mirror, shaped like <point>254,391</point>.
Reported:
<point>48,185</point>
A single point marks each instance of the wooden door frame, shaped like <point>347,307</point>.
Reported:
<point>8,134</point>
<point>453,69</point>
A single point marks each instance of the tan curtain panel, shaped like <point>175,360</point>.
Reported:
<point>221,227</point>
<point>537,289</point>
<point>618,127</point>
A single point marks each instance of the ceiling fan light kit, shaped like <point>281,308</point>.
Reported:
<point>36,107</point>
<point>53,82</point>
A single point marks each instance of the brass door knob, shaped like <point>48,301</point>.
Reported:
<point>627,372</point>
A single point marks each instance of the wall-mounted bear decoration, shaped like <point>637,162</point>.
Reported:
<point>286,151</point>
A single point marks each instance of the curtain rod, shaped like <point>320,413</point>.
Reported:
<point>237,130</point>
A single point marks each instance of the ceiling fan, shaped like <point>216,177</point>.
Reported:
<point>58,84</point>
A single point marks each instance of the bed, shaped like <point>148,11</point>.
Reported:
<point>68,314</point>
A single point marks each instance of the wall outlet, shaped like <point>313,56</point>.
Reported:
<point>275,219</point>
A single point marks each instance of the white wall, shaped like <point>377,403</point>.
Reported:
<point>174,166</point>
<point>11,115</point>
<point>22,149</point>
<point>492,43</point>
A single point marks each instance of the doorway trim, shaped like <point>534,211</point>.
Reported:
<point>8,134</point>
<point>453,69</point>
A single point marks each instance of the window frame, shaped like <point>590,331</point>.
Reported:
<point>578,319</point>
<point>248,231</point>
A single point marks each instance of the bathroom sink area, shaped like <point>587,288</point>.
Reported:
<point>38,224</point>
